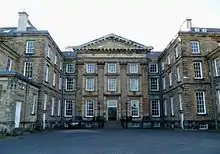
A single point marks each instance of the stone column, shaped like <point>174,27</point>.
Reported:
<point>144,77</point>
<point>123,78</point>
<point>79,88</point>
<point>101,84</point>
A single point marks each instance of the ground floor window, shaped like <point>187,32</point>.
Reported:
<point>68,111</point>
<point>89,108</point>
<point>155,108</point>
<point>135,108</point>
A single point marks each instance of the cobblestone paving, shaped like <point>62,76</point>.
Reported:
<point>113,142</point>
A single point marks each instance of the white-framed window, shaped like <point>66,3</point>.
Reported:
<point>155,108</point>
<point>168,60</point>
<point>134,108</point>
<point>201,104</point>
<point>154,84</point>
<point>9,65</point>
<point>90,84</point>
<point>45,101</point>
<point>89,108</point>
<point>133,68</point>
<point>59,108</point>
<point>165,107</point>
<point>153,68</point>
<point>48,51</point>
<point>180,102</point>
<point>197,70</point>
<point>218,97</point>
<point>164,82</point>
<point>30,46</point>
<point>134,84</point>
<point>28,69</point>
<point>178,73</point>
<point>47,73</point>
<point>34,103</point>
<point>55,59</point>
<point>217,67</point>
<point>54,79</point>
<point>70,68</point>
<point>52,106</point>
<point>70,84</point>
<point>112,84</point>
<point>176,51</point>
<point>112,68</point>
<point>162,65</point>
<point>60,83</point>
<point>90,68</point>
<point>170,78</point>
<point>195,46</point>
<point>61,65</point>
<point>171,106</point>
<point>68,108</point>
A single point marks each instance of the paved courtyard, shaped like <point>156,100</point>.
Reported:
<point>113,142</point>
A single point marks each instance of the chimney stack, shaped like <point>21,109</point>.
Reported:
<point>22,21</point>
<point>187,25</point>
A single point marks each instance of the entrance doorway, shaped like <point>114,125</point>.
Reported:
<point>112,110</point>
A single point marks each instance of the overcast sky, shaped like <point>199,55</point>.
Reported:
<point>74,22</point>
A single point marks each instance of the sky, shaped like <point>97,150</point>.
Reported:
<point>149,22</point>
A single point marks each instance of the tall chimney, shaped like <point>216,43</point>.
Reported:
<point>22,21</point>
<point>189,23</point>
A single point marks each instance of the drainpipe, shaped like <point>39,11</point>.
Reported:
<point>213,93</point>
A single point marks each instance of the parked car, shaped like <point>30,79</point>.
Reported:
<point>74,123</point>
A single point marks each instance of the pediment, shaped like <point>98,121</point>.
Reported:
<point>111,41</point>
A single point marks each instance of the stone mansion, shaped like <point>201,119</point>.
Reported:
<point>110,77</point>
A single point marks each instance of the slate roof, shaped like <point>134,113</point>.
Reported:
<point>69,54</point>
<point>154,54</point>
<point>205,30</point>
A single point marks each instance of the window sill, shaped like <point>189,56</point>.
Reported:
<point>90,90</point>
<point>155,116</point>
<point>172,115</point>
<point>198,78</point>
<point>69,90</point>
<point>33,114</point>
<point>202,114</point>
<point>29,53</point>
<point>89,116</point>
<point>155,90</point>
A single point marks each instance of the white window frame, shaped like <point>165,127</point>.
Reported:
<point>153,68</point>
<point>54,79</point>
<point>48,51</point>
<point>164,82</point>
<point>55,59</point>
<point>170,79</point>
<point>52,106</point>
<point>28,73</point>
<point>88,110</point>
<point>112,67</point>
<point>165,107</point>
<point>9,65</point>
<point>30,46</point>
<point>155,103</point>
<point>112,83</point>
<point>168,60</point>
<point>218,97</point>
<point>199,104</point>
<point>195,46</point>
<point>47,73</point>
<point>60,83</point>
<point>90,84</point>
<point>180,102</point>
<point>217,67</point>
<point>70,68</point>
<point>90,68</point>
<point>157,84</point>
<point>133,68</point>
<point>69,109</point>
<point>61,65</point>
<point>162,65</point>
<point>172,106</point>
<point>34,103</point>
<point>59,108</point>
<point>70,82</point>
<point>137,104</point>
<point>198,74</point>
<point>45,101</point>
<point>178,73</point>
<point>131,84</point>
<point>176,51</point>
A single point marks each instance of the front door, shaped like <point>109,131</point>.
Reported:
<point>112,110</point>
<point>112,113</point>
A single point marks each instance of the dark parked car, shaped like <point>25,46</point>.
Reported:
<point>75,123</point>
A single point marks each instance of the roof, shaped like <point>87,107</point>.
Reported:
<point>205,30</point>
<point>4,73</point>
<point>69,54</point>
<point>14,29</point>
<point>112,37</point>
<point>154,54</point>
